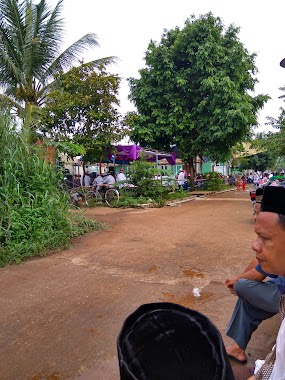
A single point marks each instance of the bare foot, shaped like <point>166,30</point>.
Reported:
<point>236,352</point>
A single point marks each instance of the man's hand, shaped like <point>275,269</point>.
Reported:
<point>230,283</point>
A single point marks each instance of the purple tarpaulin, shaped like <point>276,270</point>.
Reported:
<point>127,152</point>
<point>132,152</point>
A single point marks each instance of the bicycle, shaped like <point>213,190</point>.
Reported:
<point>111,196</point>
<point>79,194</point>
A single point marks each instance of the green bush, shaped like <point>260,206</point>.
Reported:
<point>34,211</point>
<point>142,174</point>
<point>179,194</point>
<point>131,201</point>
<point>214,182</point>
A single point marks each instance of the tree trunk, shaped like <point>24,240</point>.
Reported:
<point>26,131</point>
<point>84,173</point>
<point>192,173</point>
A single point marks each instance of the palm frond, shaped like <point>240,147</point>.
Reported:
<point>30,44</point>
<point>11,39</point>
<point>103,61</point>
<point>73,53</point>
<point>6,100</point>
<point>47,35</point>
<point>10,72</point>
<point>12,15</point>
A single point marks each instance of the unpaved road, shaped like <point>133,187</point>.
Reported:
<point>60,315</point>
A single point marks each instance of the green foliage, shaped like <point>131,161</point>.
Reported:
<point>132,201</point>
<point>259,162</point>
<point>142,174</point>
<point>83,104</point>
<point>179,194</point>
<point>81,225</point>
<point>30,53</point>
<point>195,91</point>
<point>136,200</point>
<point>34,212</point>
<point>70,149</point>
<point>214,182</point>
<point>280,164</point>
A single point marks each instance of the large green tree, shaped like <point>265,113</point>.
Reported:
<point>83,109</point>
<point>31,53</point>
<point>259,162</point>
<point>195,91</point>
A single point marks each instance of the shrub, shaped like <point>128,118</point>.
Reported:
<point>214,182</point>
<point>142,174</point>
<point>34,211</point>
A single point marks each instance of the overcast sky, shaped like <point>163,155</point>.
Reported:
<point>125,28</point>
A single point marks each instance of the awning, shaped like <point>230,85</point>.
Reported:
<point>132,153</point>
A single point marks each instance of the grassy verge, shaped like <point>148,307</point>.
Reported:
<point>34,211</point>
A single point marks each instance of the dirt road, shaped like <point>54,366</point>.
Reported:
<point>60,315</point>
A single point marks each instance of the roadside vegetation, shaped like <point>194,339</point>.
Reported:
<point>34,211</point>
<point>147,189</point>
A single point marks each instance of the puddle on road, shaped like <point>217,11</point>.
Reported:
<point>191,273</point>
<point>187,300</point>
<point>92,331</point>
<point>153,269</point>
<point>53,376</point>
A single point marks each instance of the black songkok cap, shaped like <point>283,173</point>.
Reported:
<point>166,341</point>
<point>273,199</point>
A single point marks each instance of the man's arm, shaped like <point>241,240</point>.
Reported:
<point>249,273</point>
<point>250,266</point>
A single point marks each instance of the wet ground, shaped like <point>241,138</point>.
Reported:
<point>61,315</point>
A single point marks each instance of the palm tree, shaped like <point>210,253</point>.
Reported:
<point>30,58</point>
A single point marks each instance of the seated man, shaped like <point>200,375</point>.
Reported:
<point>269,249</point>
<point>97,183</point>
<point>108,181</point>
<point>257,301</point>
<point>121,178</point>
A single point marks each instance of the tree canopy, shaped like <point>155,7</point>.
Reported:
<point>31,37</point>
<point>83,108</point>
<point>259,162</point>
<point>195,92</point>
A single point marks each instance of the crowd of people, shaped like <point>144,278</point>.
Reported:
<point>98,180</point>
<point>182,179</point>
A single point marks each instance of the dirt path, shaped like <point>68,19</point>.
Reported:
<point>60,315</point>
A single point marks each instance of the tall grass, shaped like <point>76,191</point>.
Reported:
<point>34,212</point>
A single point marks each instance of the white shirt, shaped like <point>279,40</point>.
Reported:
<point>109,180</point>
<point>98,180</point>
<point>255,177</point>
<point>87,180</point>
<point>181,178</point>
<point>278,372</point>
<point>121,177</point>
